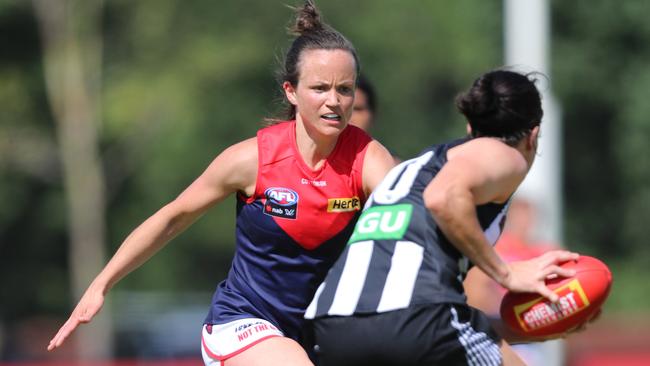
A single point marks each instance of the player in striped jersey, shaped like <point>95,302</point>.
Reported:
<point>395,296</point>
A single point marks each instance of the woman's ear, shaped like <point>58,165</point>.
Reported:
<point>533,138</point>
<point>290,92</point>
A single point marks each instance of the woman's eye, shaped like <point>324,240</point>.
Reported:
<point>346,90</point>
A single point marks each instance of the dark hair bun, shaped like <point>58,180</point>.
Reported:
<point>501,104</point>
<point>307,19</point>
<point>479,100</point>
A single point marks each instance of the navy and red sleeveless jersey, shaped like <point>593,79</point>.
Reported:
<point>291,230</point>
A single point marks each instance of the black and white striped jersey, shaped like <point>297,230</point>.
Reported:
<point>397,255</point>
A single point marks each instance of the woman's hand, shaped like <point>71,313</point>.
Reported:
<point>89,305</point>
<point>530,275</point>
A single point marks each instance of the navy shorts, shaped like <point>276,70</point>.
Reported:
<point>431,334</point>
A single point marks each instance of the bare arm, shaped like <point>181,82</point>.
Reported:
<point>376,164</point>
<point>233,170</point>
<point>482,171</point>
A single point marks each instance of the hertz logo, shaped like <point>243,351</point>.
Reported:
<point>343,204</point>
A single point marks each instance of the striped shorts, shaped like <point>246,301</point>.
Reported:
<point>431,334</point>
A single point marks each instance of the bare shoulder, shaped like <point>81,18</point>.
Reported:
<point>487,167</point>
<point>376,164</point>
<point>243,152</point>
<point>490,152</point>
<point>236,166</point>
<point>377,150</point>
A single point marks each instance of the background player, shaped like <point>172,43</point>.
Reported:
<point>364,110</point>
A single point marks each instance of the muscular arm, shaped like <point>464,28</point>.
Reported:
<point>233,170</point>
<point>486,170</point>
<point>376,164</point>
<point>481,171</point>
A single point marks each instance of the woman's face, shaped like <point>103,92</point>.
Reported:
<point>324,94</point>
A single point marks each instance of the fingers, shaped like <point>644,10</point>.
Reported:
<point>559,256</point>
<point>69,326</point>
<point>554,270</point>
<point>63,333</point>
<point>531,275</point>
<point>547,293</point>
<point>89,305</point>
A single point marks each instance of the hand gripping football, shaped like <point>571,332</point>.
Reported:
<point>581,296</point>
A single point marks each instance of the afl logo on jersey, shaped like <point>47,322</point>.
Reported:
<point>281,202</point>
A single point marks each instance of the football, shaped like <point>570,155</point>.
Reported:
<point>581,297</point>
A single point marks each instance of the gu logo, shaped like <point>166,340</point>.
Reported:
<point>281,202</point>
<point>382,222</point>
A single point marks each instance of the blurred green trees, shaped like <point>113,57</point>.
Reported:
<point>183,80</point>
<point>602,74</point>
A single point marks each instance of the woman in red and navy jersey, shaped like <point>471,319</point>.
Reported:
<point>300,186</point>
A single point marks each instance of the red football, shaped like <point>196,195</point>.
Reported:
<point>580,298</point>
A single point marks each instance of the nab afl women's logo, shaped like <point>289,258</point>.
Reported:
<point>281,202</point>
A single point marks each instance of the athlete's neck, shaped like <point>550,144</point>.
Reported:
<point>313,147</point>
